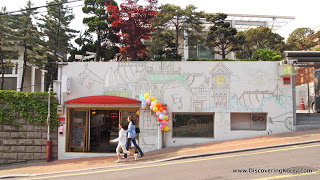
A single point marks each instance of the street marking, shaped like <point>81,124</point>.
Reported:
<point>289,175</point>
<point>177,162</point>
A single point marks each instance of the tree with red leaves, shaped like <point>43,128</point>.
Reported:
<point>134,23</point>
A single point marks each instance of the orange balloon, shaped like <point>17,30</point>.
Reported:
<point>160,109</point>
<point>158,105</point>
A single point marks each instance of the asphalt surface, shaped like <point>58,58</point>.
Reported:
<point>288,162</point>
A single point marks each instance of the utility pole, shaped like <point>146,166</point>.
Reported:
<point>49,142</point>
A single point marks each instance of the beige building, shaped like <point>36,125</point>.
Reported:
<point>34,79</point>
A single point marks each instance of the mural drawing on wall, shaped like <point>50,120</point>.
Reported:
<point>88,78</point>
<point>188,91</point>
<point>288,121</point>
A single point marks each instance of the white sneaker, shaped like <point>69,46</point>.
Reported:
<point>117,161</point>
<point>135,156</point>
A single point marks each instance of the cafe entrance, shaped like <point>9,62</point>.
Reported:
<point>91,129</point>
<point>103,127</point>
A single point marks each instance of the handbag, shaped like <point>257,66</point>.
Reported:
<point>137,130</point>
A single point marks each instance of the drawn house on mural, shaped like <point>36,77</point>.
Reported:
<point>220,80</point>
<point>201,92</point>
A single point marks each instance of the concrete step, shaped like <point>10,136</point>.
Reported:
<point>308,122</point>
<point>308,114</point>
<point>308,119</point>
<point>307,127</point>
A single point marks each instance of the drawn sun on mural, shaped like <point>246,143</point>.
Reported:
<point>259,79</point>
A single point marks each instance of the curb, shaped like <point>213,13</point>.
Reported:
<point>168,159</point>
<point>236,151</point>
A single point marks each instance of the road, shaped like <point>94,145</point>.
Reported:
<point>272,163</point>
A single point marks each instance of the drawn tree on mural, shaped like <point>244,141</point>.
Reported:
<point>134,23</point>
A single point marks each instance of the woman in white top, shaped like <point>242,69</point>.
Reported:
<point>121,143</point>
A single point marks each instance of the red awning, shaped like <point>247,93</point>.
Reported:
<point>103,100</point>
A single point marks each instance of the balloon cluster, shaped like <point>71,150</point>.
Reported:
<point>153,104</point>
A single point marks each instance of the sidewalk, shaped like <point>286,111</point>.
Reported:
<point>34,168</point>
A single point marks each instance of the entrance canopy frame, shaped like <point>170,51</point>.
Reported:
<point>303,59</point>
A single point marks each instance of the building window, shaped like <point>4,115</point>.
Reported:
<point>10,83</point>
<point>248,121</point>
<point>198,106</point>
<point>201,90</point>
<point>205,52</point>
<point>8,68</point>
<point>192,125</point>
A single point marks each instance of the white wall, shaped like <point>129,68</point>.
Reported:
<point>249,87</point>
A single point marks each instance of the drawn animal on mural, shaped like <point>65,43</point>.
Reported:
<point>84,74</point>
<point>177,100</point>
<point>91,76</point>
<point>288,121</point>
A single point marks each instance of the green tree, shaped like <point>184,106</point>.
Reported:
<point>28,38</point>
<point>266,55</point>
<point>6,34</point>
<point>56,30</point>
<point>260,38</point>
<point>98,23</point>
<point>222,36</point>
<point>180,20</point>
<point>85,42</point>
<point>162,45</point>
<point>316,48</point>
<point>299,39</point>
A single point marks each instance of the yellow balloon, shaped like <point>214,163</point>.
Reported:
<point>166,118</point>
<point>166,128</point>
<point>155,109</point>
<point>152,99</point>
<point>137,113</point>
<point>146,95</point>
<point>156,100</point>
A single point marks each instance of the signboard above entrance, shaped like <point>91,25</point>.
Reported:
<point>286,70</point>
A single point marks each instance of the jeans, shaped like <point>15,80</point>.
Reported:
<point>128,143</point>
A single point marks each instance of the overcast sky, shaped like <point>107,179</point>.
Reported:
<point>306,12</point>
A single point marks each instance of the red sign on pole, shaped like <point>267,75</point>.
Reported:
<point>62,120</point>
<point>286,81</point>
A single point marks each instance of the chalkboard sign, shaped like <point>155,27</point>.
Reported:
<point>77,136</point>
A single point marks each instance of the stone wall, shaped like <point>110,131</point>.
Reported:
<point>25,143</point>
